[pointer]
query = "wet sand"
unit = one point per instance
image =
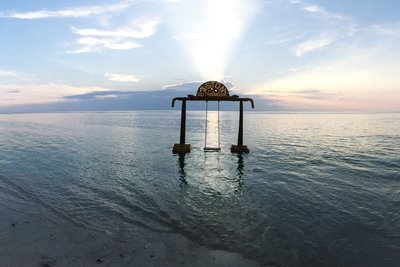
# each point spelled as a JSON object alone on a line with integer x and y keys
{"x": 31, "y": 235}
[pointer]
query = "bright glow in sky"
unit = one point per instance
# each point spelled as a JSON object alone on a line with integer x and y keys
{"x": 209, "y": 32}
{"x": 303, "y": 54}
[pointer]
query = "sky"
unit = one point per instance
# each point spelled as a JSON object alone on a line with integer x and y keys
{"x": 306, "y": 55}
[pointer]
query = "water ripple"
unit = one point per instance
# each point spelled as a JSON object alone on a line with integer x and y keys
{"x": 316, "y": 189}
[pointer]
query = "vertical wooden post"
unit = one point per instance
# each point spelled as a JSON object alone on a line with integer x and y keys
{"x": 240, "y": 148}
{"x": 240, "y": 134}
{"x": 183, "y": 123}
{"x": 182, "y": 147}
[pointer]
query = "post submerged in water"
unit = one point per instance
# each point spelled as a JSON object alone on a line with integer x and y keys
{"x": 182, "y": 147}
{"x": 240, "y": 148}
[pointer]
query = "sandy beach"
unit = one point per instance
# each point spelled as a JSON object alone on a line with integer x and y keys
{"x": 31, "y": 235}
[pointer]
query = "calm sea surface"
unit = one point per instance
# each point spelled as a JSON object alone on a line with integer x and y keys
{"x": 315, "y": 190}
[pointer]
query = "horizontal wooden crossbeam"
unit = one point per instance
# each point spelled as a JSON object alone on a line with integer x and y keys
{"x": 213, "y": 98}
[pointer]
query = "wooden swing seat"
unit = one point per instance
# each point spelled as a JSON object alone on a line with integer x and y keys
{"x": 212, "y": 149}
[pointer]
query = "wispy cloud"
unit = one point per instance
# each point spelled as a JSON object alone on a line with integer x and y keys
{"x": 318, "y": 10}
{"x": 310, "y": 99}
{"x": 8, "y": 73}
{"x": 360, "y": 78}
{"x": 313, "y": 44}
{"x": 332, "y": 26}
{"x": 92, "y": 44}
{"x": 272, "y": 42}
{"x": 34, "y": 93}
{"x": 121, "y": 38}
{"x": 13, "y": 92}
{"x": 194, "y": 85}
{"x": 392, "y": 30}
{"x": 68, "y": 12}
{"x": 317, "y": 94}
{"x": 94, "y": 39}
{"x": 108, "y": 96}
{"x": 121, "y": 77}
{"x": 140, "y": 28}
{"x": 290, "y": 71}
{"x": 313, "y": 9}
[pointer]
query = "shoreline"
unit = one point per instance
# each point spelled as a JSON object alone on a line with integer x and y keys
{"x": 30, "y": 235}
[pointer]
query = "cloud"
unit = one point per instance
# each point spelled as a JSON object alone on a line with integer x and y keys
{"x": 391, "y": 30}
{"x": 122, "y": 38}
{"x": 121, "y": 77}
{"x": 359, "y": 79}
{"x": 319, "y": 10}
{"x": 35, "y": 93}
{"x": 8, "y": 73}
{"x": 193, "y": 86}
{"x": 61, "y": 97}
{"x": 317, "y": 94}
{"x": 313, "y": 9}
{"x": 277, "y": 41}
{"x": 134, "y": 100}
{"x": 67, "y": 13}
{"x": 93, "y": 39}
{"x": 323, "y": 39}
{"x": 141, "y": 28}
{"x": 92, "y": 44}
{"x": 107, "y": 96}
{"x": 314, "y": 43}
{"x": 332, "y": 27}
{"x": 312, "y": 94}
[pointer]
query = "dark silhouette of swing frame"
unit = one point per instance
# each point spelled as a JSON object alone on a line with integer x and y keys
{"x": 211, "y": 91}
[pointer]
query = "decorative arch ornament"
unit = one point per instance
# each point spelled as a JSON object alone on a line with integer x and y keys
{"x": 212, "y": 89}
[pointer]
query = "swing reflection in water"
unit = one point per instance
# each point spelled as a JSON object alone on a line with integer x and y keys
{"x": 219, "y": 175}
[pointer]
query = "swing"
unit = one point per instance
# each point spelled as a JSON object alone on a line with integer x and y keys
{"x": 211, "y": 91}
{"x": 206, "y": 148}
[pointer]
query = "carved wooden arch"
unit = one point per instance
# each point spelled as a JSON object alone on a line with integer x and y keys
{"x": 213, "y": 89}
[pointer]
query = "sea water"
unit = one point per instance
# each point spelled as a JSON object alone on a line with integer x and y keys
{"x": 315, "y": 189}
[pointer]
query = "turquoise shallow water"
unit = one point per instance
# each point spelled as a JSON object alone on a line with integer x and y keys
{"x": 315, "y": 190}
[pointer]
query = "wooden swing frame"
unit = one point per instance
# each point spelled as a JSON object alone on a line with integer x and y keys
{"x": 211, "y": 91}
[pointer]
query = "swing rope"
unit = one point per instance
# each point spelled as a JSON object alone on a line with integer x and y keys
{"x": 205, "y": 132}
{"x": 219, "y": 136}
